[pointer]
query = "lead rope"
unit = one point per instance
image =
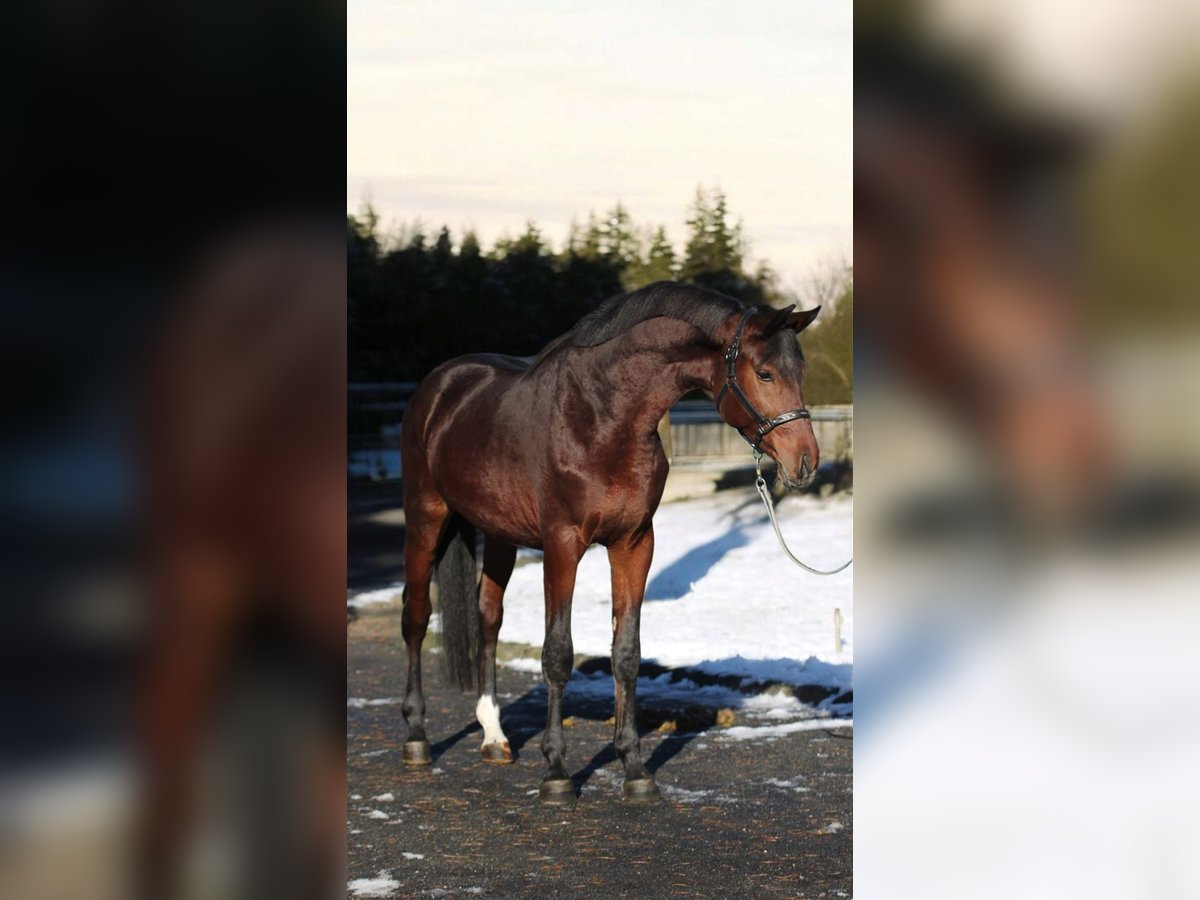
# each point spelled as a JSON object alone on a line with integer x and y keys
{"x": 765, "y": 493}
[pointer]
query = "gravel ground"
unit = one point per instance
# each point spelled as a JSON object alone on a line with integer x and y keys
{"x": 764, "y": 817}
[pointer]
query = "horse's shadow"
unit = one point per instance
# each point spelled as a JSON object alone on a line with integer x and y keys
{"x": 676, "y": 579}
{"x": 672, "y": 711}
{"x": 525, "y": 717}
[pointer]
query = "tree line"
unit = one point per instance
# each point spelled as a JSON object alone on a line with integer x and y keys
{"x": 417, "y": 299}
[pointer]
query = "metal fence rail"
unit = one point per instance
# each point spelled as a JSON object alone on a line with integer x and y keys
{"x": 699, "y": 434}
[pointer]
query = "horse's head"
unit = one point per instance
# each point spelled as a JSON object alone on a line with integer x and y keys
{"x": 758, "y": 389}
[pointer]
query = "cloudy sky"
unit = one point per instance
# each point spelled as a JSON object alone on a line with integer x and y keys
{"x": 489, "y": 114}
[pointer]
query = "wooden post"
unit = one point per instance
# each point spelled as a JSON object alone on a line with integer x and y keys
{"x": 837, "y": 630}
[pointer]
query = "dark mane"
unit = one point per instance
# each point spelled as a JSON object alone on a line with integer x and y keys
{"x": 704, "y": 309}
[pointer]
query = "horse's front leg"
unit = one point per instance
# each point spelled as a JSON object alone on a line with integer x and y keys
{"x": 558, "y": 656}
{"x": 630, "y": 563}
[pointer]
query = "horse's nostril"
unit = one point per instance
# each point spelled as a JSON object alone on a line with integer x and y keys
{"x": 805, "y": 467}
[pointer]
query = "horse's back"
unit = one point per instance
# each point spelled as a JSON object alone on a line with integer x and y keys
{"x": 463, "y": 381}
{"x": 473, "y": 366}
{"x": 498, "y": 361}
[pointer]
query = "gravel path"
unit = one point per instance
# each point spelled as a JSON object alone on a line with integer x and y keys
{"x": 739, "y": 818}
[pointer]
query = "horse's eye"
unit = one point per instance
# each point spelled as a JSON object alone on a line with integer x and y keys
{"x": 765, "y": 376}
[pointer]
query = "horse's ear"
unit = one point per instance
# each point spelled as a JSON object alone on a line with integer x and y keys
{"x": 802, "y": 319}
{"x": 777, "y": 321}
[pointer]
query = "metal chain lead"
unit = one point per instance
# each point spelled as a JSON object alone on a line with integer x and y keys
{"x": 764, "y": 492}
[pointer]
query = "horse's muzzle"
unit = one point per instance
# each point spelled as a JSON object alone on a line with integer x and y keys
{"x": 801, "y": 479}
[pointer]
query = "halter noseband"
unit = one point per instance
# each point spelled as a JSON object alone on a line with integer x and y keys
{"x": 765, "y": 425}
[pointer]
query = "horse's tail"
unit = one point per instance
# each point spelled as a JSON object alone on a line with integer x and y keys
{"x": 458, "y": 603}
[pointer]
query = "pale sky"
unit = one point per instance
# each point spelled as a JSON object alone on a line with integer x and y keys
{"x": 489, "y": 114}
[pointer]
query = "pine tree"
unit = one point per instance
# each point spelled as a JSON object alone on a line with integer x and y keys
{"x": 715, "y": 252}
{"x": 714, "y": 244}
{"x": 469, "y": 247}
{"x": 574, "y": 240}
{"x": 658, "y": 263}
{"x": 366, "y": 222}
{"x": 443, "y": 247}
{"x": 529, "y": 241}
{"x": 590, "y": 242}
{"x": 618, "y": 239}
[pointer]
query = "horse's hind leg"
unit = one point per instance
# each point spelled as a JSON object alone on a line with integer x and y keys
{"x": 630, "y": 563}
{"x": 498, "y": 561}
{"x": 425, "y": 517}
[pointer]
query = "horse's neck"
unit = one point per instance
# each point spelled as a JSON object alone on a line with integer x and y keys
{"x": 647, "y": 370}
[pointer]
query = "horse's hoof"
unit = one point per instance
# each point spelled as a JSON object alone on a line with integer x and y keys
{"x": 499, "y": 754}
{"x": 557, "y": 792}
{"x": 641, "y": 790}
{"x": 416, "y": 753}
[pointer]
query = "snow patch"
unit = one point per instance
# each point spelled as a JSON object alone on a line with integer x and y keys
{"x": 702, "y": 603}
{"x": 382, "y": 886}
{"x": 381, "y": 595}
{"x": 683, "y": 795}
{"x": 790, "y": 785}
{"x": 362, "y": 702}
{"x": 524, "y": 664}
{"x": 753, "y": 732}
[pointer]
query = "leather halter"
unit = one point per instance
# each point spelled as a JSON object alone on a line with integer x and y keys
{"x": 765, "y": 425}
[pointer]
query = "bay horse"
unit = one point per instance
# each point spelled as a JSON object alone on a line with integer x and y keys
{"x": 563, "y": 453}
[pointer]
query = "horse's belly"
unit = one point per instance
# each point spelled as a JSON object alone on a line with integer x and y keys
{"x": 499, "y": 505}
{"x": 506, "y": 528}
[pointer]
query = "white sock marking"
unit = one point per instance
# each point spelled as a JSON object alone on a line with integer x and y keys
{"x": 488, "y": 714}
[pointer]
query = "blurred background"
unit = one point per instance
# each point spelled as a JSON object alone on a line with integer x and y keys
{"x": 1026, "y": 215}
{"x": 172, "y": 333}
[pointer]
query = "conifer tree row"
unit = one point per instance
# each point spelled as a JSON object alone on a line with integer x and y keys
{"x": 417, "y": 299}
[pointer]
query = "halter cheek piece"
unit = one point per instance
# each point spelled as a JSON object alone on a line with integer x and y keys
{"x": 765, "y": 425}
